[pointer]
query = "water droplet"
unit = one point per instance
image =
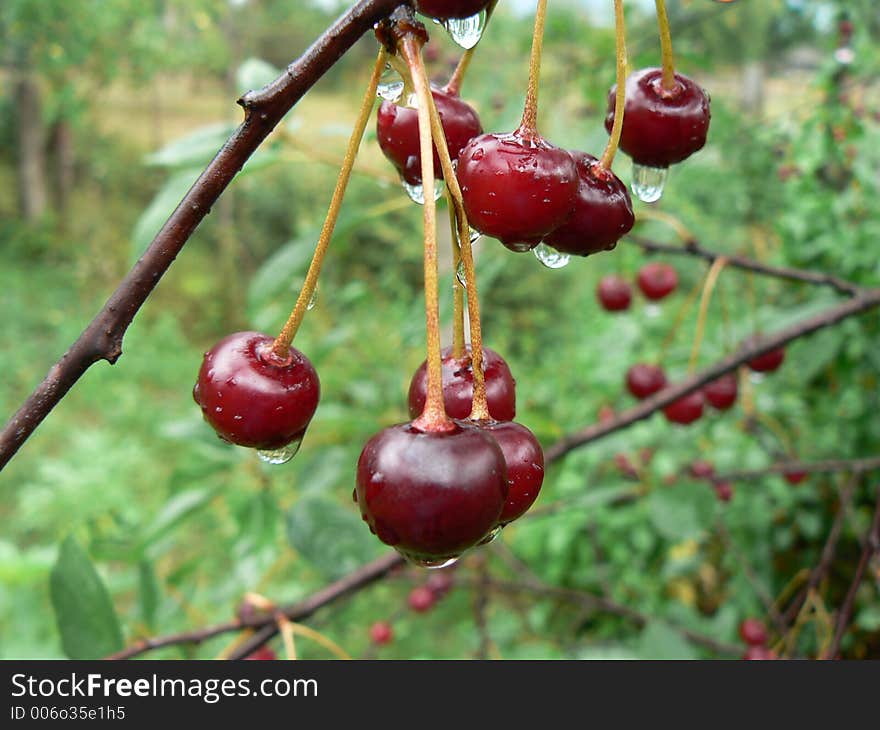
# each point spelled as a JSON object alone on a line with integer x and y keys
{"x": 460, "y": 275}
{"x": 313, "y": 300}
{"x": 417, "y": 192}
{"x": 390, "y": 85}
{"x": 282, "y": 455}
{"x": 652, "y": 310}
{"x": 475, "y": 236}
{"x": 496, "y": 531}
{"x": 756, "y": 378}
{"x": 648, "y": 182}
{"x": 550, "y": 257}
{"x": 466, "y": 32}
{"x": 428, "y": 563}
{"x": 519, "y": 246}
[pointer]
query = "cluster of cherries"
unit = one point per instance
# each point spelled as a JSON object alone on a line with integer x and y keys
{"x": 421, "y": 599}
{"x": 754, "y": 636}
{"x": 655, "y": 280}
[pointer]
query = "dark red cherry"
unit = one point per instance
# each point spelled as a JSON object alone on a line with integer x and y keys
{"x": 431, "y": 495}
{"x": 722, "y": 392}
{"x": 794, "y": 477}
{"x": 643, "y": 380}
{"x": 421, "y": 599}
{"x": 702, "y": 469}
{"x": 661, "y": 127}
{"x": 768, "y": 362}
{"x": 753, "y": 632}
{"x": 602, "y": 215}
{"x": 516, "y": 187}
{"x": 724, "y": 491}
{"x": 759, "y": 653}
{"x": 657, "y": 280}
{"x": 685, "y": 410}
{"x": 264, "y": 653}
{"x": 251, "y": 397}
{"x": 381, "y": 633}
{"x": 397, "y": 129}
{"x": 458, "y": 386}
{"x": 614, "y": 293}
{"x": 444, "y": 9}
{"x": 525, "y": 467}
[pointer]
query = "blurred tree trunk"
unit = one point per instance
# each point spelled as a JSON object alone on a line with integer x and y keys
{"x": 63, "y": 160}
{"x": 31, "y": 133}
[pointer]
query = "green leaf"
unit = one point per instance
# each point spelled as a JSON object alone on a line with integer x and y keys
{"x": 329, "y": 536}
{"x": 149, "y": 594}
{"x": 197, "y": 148}
{"x": 179, "y": 508}
{"x": 281, "y": 273}
{"x": 160, "y": 208}
{"x": 84, "y": 612}
{"x": 659, "y": 640}
{"x": 682, "y": 511}
{"x": 815, "y": 352}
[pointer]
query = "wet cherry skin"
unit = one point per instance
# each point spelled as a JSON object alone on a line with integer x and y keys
{"x": 768, "y": 362}
{"x": 516, "y": 187}
{"x": 458, "y": 386}
{"x": 381, "y": 633}
{"x": 397, "y": 129}
{"x": 643, "y": 380}
{"x": 614, "y": 293}
{"x": 602, "y": 214}
{"x": 251, "y": 398}
{"x": 524, "y": 458}
{"x": 685, "y": 410}
{"x": 444, "y": 9}
{"x": 753, "y": 632}
{"x": 431, "y": 495}
{"x": 661, "y": 127}
{"x": 721, "y": 393}
{"x": 657, "y": 280}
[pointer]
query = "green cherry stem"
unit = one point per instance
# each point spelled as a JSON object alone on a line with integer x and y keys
{"x": 620, "y": 95}
{"x": 529, "y": 122}
{"x": 281, "y": 346}
{"x": 668, "y": 81}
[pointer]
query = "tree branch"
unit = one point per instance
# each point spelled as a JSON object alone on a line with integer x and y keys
{"x": 856, "y": 466}
{"x": 102, "y": 338}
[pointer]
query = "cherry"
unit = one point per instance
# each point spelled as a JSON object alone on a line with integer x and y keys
{"x": 657, "y": 280}
{"x": 753, "y": 632}
{"x": 253, "y": 398}
{"x": 397, "y": 129}
{"x": 431, "y": 495}
{"x": 724, "y": 491}
{"x": 686, "y": 409}
{"x": 381, "y": 633}
{"x": 516, "y": 187}
{"x": 759, "y": 653}
{"x": 458, "y": 386}
{"x": 264, "y": 653}
{"x": 702, "y": 469}
{"x": 614, "y": 293}
{"x": 421, "y": 599}
{"x": 445, "y": 9}
{"x": 660, "y": 126}
{"x": 768, "y": 362}
{"x": 794, "y": 477}
{"x": 722, "y": 392}
{"x": 643, "y": 380}
{"x": 625, "y": 466}
{"x": 602, "y": 215}
{"x": 525, "y": 467}
{"x": 440, "y": 582}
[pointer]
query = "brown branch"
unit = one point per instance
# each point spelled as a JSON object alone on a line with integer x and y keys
{"x": 866, "y": 299}
{"x": 692, "y": 248}
{"x": 856, "y": 466}
{"x": 264, "y": 109}
{"x": 265, "y": 624}
{"x": 872, "y": 545}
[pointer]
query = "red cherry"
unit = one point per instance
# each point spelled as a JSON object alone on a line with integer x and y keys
{"x": 440, "y": 582}
{"x": 516, "y": 187}
{"x": 625, "y": 466}
{"x": 525, "y": 467}
{"x": 421, "y": 599}
{"x": 458, "y": 386}
{"x": 794, "y": 477}
{"x": 397, "y": 129}
{"x": 602, "y": 215}
{"x": 643, "y": 380}
{"x": 657, "y": 280}
{"x": 264, "y": 653}
{"x": 768, "y": 362}
{"x": 702, "y": 469}
{"x": 444, "y": 9}
{"x": 759, "y": 653}
{"x": 661, "y": 127}
{"x": 381, "y": 633}
{"x": 251, "y": 397}
{"x": 724, "y": 491}
{"x": 722, "y": 392}
{"x": 685, "y": 410}
{"x": 753, "y": 632}
{"x": 431, "y": 495}
{"x": 614, "y": 293}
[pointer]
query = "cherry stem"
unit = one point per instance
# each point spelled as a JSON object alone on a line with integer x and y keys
{"x": 620, "y": 96}
{"x": 668, "y": 81}
{"x": 679, "y": 318}
{"x": 281, "y": 346}
{"x": 711, "y": 279}
{"x": 458, "y": 350}
{"x": 454, "y": 85}
{"x": 681, "y": 230}
{"x": 529, "y": 124}
{"x": 433, "y": 417}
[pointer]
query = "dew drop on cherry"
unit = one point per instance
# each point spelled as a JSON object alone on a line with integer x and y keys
{"x": 427, "y": 563}
{"x": 417, "y": 192}
{"x": 467, "y": 32}
{"x": 390, "y": 85}
{"x": 492, "y": 536}
{"x": 282, "y": 455}
{"x": 648, "y": 182}
{"x": 550, "y": 257}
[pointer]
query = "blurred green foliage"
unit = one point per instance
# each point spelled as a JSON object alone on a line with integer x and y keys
{"x": 125, "y": 487}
